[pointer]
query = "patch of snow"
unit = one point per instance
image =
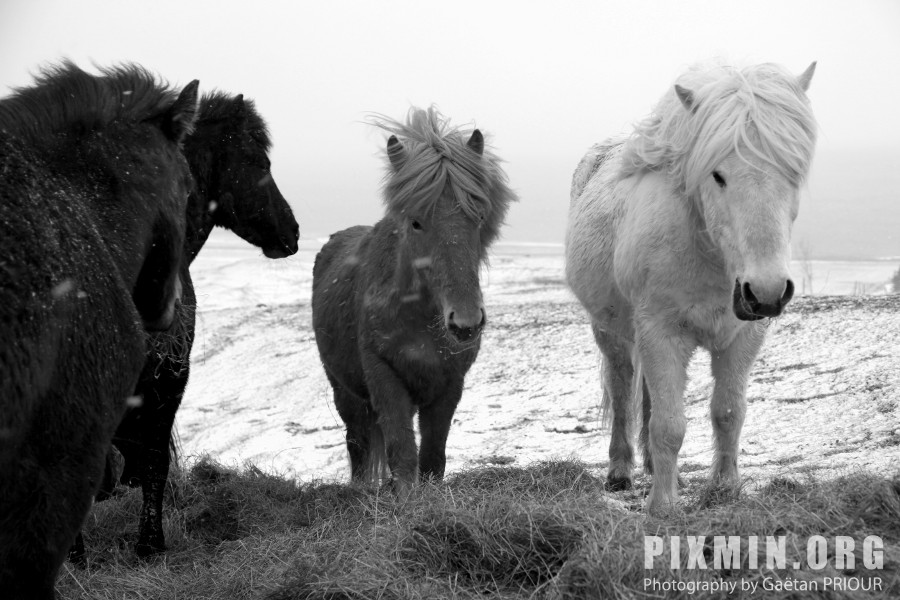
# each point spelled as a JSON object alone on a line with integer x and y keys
{"x": 822, "y": 397}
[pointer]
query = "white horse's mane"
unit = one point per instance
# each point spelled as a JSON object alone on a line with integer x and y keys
{"x": 760, "y": 107}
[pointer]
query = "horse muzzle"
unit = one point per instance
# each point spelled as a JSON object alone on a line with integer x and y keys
{"x": 748, "y": 306}
{"x": 465, "y": 328}
{"x": 282, "y": 251}
{"x": 287, "y": 245}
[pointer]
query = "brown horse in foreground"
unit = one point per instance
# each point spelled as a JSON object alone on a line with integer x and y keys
{"x": 397, "y": 308}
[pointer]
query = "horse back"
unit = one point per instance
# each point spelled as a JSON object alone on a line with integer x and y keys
{"x": 589, "y": 164}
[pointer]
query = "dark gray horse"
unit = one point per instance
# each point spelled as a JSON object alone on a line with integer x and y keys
{"x": 234, "y": 189}
{"x": 397, "y": 308}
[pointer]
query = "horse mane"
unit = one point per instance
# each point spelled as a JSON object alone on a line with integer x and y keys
{"x": 438, "y": 156}
{"x": 64, "y": 98}
{"x": 732, "y": 107}
{"x": 220, "y": 105}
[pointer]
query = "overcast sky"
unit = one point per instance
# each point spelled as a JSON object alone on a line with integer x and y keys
{"x": 544, "y": 79}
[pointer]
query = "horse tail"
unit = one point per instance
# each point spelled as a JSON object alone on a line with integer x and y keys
{"x": 640, "y": 398}
{"x": 606, "y": 409}
{"x": 375, "y": 466}
{"x": 637, "y": 383}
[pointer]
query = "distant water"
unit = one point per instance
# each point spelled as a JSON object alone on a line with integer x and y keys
{"x": 844, "y": 277}
{"x": 814, "y": 277}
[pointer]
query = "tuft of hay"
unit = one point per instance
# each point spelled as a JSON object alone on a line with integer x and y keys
{"x": 711, "y": 494}
{"x": 171, "y": 349}
{"x": 542, "y": 478}
{"x": 548, "y": 530}
{"x": 504, "y": 545}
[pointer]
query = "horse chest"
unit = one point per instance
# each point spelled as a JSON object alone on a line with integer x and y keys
{"x": 712, "y": 326}
{"x": 425, "y": 364}
{"x": 421, "y": 351}
{"x": 418, "y": 353}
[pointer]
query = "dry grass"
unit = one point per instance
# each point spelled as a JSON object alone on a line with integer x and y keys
{"x": 171, "y": 349}
{"x": 547, "y": 531}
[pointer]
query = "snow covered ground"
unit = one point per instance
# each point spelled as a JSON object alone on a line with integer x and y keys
{"x": 824, "y": 396}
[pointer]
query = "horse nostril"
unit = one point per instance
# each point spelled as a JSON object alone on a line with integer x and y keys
{"x": 788, "y": 292}
{"x": 748, "y": 295}
{"x": 464, "y": 332}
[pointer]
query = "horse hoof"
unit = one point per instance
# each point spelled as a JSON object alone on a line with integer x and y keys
{"x": 615, "y": 483}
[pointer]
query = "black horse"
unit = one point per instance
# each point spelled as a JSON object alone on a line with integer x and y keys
{"x": 93, "y": 187}
{"x": 397, "y": 308}
{"x": 234, "y": 189}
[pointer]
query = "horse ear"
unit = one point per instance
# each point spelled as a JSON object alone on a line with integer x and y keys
{"x": 238, "y": 104}
{"x": 476, "y": 142}
{"x": 686, "y": 96}
{"x": 178, "y": 122}
{"x": 806, "y": 76}
{"x": 396, "y": 152}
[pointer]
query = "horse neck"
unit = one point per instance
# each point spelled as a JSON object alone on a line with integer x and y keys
{"x": 199, "y": 224}
{"x": 206, "y": 161}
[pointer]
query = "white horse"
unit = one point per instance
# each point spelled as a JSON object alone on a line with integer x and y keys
{"x": 679, "y": 237}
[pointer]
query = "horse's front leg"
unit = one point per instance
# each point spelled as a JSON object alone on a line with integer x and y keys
{"x": 731, "y": 368}
{"x": 161, "y": 397}
{"x": 434, "y": 425}
{"x": 664, "y": 354}
{"x": 394, "y": 407}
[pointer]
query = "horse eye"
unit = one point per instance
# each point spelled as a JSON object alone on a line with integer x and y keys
{"x": 416, "y": 225}
{"x": 719, "y": 179}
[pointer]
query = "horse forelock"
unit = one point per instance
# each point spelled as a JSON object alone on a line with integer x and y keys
{"x": 220, "y": 106}
{"x": 760, "y": 108}
{"x": 438, "y": 157}
{"x": 64, "y": 97}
